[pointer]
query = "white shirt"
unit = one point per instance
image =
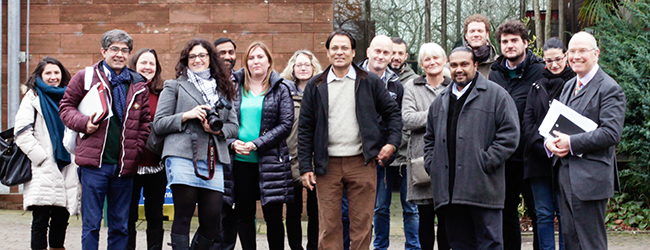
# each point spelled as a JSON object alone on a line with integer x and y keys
{"x": 352, "y": 74}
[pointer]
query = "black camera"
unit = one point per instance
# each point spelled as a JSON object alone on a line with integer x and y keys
{"x": 215, "y": 122}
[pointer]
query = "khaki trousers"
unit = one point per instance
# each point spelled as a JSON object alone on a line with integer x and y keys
{"x": 360, "y": 180}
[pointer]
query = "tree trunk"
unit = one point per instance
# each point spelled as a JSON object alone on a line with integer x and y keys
{"x": 459, "y": 31}
{"x": 560, "y": 19}
{"x": 547, "y": 24}
{"x": 427, "y": 21}
{"x": 538, "y": 25}
{"x": 443, "y": 24}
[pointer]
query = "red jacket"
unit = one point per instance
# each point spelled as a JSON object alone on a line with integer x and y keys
{"x": 135, "y": 127}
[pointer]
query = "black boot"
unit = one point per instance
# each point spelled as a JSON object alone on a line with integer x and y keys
{"x": 180, "y": 241}
{"x": 155, "y": 238}
{"x": 200, "y": 243}
{"x": 131, "y": 244}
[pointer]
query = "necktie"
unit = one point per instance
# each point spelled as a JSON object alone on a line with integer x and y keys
{"x": 577, "y": 89}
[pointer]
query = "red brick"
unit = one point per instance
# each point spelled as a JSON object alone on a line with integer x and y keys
{"x": 85, "y": 13}
{"x": 244, "y": 40}
{"x": 164, "y": 28}
{"x": 178, "y": 41}
{"x": 291, "y": 13}
{"x": 101, "y": 28}
{"x": 41, "y": 14}
{"x": 291, "y": 42}
{"x": 319, "y": 41}
{"x": 249, "y": 27}
{"x": 55, "y": 28}
{"x": 168, "y": 62}
{"x": 165, "y": 1}
{"x": 81, "y": 44}
{"x": 229, "y": 1}
{"x": 145, "y": 13}
{"x": 239, "y": 13}
{"x": 75, "y": 1}
{"x": 73, "y": 62}
{"x": 323, "y": 13}
{"x": 159, "y": 42}
{"x": 317, "y": 27}
{"x": 189, "y": 13}
{"x": 313, "y": 1}
{"x": 116, "y": 1}
{"x": 280, "y": 60}
{"x": 322, "y": 57}
{"x": 48, "y": 44}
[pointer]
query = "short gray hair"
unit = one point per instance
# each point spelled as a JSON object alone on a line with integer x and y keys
{"x": 116, "y": 35}
{"x": 430, "y": 50}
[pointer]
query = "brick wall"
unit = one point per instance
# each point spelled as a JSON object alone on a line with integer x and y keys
{"x": 70, "y": 30}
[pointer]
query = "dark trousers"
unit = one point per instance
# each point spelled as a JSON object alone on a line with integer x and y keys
{"x": 471, "y": 227}
{"x": 312, "y": 221}
{"x": 247, "y": 192}
{"x": 515, "y": 185}
{"x": 228, "y": 228}
{"x": 583, "y": 222}
{"x": 186, "y": 199}
{"x": 153, "y": 187}
{"x": 293, "y": 215}
{"x": 427, "y": 231}
{"x": 52, "y": 217}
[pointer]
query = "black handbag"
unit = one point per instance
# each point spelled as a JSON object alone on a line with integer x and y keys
{"x": 15, "y": 167}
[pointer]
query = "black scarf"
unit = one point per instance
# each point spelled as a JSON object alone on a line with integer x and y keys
{"x": 482, "y": 53}
{"x": 555, "y": 82}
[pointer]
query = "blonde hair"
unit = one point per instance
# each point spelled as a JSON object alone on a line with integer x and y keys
{"x": 288, "y": 72}
{"x": 247, "y": 73}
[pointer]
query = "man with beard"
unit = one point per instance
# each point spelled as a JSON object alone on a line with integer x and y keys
{"x": 379, "y": 54}
{"x": 516, "y": 70}
{"x": 398, "y": 63}
{"x": 477, "y": 37}
{"x": 472, "y": 128}
{"x": 226, "y": 49}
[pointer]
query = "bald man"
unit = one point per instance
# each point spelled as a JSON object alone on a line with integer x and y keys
{"x": 380, "y": 53}
{"x": 588, "y": 175}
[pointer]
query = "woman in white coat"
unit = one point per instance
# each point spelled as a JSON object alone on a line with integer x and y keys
{"x": 53, "y": 194}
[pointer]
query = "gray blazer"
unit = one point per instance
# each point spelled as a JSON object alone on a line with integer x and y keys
{"x": 592, "y": 166}
{"x": 177, "y": 97}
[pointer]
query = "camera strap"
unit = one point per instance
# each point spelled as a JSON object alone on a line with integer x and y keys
{"x": 211, "y": 160}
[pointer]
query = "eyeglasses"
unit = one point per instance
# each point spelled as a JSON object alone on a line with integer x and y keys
{"x": 556, "y": 60}
{"x": 116, "y": 49}
{"x": 305, "y": 65}
{"x": 578, "y": 52}
{"x": 200, "y": 56}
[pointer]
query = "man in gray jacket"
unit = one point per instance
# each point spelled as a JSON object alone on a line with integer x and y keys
{"x": 472, "y": 128}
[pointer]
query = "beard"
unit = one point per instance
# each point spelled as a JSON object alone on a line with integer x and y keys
{"x": 467, "y": 80}
{"x": 515, "y": 58}
{"x": 232, "y": 62}
{"x": 396, "y": 69}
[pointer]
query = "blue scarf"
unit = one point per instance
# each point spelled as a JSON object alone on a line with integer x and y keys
{"x": 49, "y": 97}
{"x": 119, "y": 90}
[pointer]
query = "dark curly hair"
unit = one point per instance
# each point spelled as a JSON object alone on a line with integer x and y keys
{"x": 218, "y": 70}
{"x": 512, "y": 27}
{"x": 38, "y": 71}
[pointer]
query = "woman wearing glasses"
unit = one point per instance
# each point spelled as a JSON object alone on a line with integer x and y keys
{"x": 301, "y": 67}
{"x": 262, "y": 169}
{"x": 195, "y": 148}
{"x": 538, "y": 168}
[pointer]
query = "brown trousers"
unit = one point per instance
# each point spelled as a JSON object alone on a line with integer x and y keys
{"x": 360, "y": 180}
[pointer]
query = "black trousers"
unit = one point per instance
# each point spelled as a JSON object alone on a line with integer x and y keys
{"x": 247, "y": 192}
{"x": 427, "y": 231}
{"x": 153, "y": 187}
{"x": 471, "y": 227}
{"x": 312, "y": 221}
{"x": 293, "y": 216}
{"x": 209, "y": 204}
{"x": 228, "y": 228}
{"x": 515, "y": 185}
{"x": 52, "y": 217}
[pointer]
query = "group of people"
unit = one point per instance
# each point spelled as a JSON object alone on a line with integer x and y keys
{"x": 461, "y": 142}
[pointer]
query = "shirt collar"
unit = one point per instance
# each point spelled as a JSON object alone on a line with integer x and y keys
{"x": 511, "y": 68}
{"x": 585, "y": 80}
{"x": 352, "y": 74}
{"x": 458, "y": 94}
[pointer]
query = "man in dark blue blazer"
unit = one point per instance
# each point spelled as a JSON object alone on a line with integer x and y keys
{"x": 588, "y": 174}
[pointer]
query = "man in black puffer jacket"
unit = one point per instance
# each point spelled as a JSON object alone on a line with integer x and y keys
{"x": 516, "y": 70}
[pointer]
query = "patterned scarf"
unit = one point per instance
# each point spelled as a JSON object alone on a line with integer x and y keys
{"x": 119, "y": 90}
{"x": 204, "y": 82}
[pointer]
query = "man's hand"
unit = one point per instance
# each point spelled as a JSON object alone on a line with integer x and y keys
{"x": 90, "y": 127}
{"x": 556, "y": 145}
{"x": 309, "y": 180}
{"x": 385, "y": 153}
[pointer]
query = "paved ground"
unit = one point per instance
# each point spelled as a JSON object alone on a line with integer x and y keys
{"x": 15, "y": 234}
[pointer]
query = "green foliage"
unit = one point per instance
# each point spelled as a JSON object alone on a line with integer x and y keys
{"x": 623, "y": 40}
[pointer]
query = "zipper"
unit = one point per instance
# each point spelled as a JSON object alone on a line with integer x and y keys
{"x": 110, "y": 97}
{"x": 126, "y": 116}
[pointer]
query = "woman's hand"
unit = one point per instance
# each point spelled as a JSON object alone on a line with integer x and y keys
{"x": 206, "y": 128}
{"x": 243, "y": 148}
{"x": 198, "y": 112}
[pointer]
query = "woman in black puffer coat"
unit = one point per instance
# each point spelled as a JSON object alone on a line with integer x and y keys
{"x": 538, "y": 167}
{"x": 262, "y": 169}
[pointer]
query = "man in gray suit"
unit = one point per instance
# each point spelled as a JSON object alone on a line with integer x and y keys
{"x": 588, "y": 174}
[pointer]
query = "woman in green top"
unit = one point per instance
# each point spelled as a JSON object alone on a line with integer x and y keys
{"x": 262, "y": 169}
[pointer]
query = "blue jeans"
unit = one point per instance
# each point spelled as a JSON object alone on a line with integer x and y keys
{"x": 411, "y": 218}
{"x": 546, "y": 207}
{"x": 98, "y": 184}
